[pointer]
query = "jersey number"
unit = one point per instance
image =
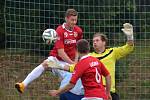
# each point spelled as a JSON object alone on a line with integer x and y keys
{"x": 97, "y": 76}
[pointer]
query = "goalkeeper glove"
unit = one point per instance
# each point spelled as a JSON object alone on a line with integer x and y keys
{"x": 71, "y": 68}
{"x": 128, "y": 30}
{"x": 55, "y": 64}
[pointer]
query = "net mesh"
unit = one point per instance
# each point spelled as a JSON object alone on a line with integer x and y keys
{"x": 25, "y": 21}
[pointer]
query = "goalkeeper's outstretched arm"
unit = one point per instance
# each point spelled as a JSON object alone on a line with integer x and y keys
{"x": 128, "y": 31}
{"x": 56, "y": 65}
{"x": 69, "y": 68}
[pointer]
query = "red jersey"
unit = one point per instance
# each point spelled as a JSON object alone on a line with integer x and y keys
{"x": 90, "y": 70}
{"x": 67, "y": 41}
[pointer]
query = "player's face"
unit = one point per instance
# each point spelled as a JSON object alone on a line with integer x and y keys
{"x": 98, "y": 43}
{"x": 71, "y": 21}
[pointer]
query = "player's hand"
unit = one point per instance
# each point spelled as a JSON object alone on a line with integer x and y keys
{"x": 53, "y": 93}
{"x": 127, "y": 29}
{"x": 51, "y": 64}
{"x": 108, "y": 96}
{"x": 55, "y": 64}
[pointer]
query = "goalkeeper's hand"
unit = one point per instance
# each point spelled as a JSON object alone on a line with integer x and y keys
{"x": 55, "y": 64}
{"x": 128, "y": 30}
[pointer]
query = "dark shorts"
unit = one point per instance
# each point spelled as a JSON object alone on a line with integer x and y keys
{"x": 114, "y": 96}
{"x": 70, "y": 96}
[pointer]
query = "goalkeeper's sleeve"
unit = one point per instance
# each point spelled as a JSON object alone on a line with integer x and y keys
{"x": 71, "y": 68}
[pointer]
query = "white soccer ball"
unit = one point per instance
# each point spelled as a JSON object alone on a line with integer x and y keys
{"x": 49, "y": 35}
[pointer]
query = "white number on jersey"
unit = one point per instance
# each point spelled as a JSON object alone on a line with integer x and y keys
{"x": 97, "y": 76}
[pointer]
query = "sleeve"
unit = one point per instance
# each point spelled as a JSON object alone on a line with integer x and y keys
{"x": 122, "y": 51}
{"x": 79, "y": 69}
{"x": 60, "y": 40}
{"x": 71, "y": 67}
{"x": 104, "y": 71}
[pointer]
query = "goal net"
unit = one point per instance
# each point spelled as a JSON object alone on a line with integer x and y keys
{"x": 25, "y": 21}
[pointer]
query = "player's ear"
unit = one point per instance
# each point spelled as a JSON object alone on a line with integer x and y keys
{"x": 104, "y": 42}
{"x": 66, "y": 19}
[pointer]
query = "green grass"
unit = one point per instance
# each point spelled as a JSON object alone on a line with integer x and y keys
{"x": 16, "y": 68}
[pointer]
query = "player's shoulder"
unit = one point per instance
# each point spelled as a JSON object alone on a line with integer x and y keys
{"x": 109, "y": 49}
{"x": 88, "y": 59}
{"x": 94, "y": 54}
{"x": 85, "y": 59}
{"x": 60, "y": 30}
{"x": 78, "y": 29}
{"x": 115, "y": 48}
{"x": 92, "y": 60}
{"x": 59, "y": 27}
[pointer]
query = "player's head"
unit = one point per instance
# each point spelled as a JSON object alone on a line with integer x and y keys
{"x": 99, "y": 41}
{"x": 83, "y": 46}
{"x": 71, "y": 16}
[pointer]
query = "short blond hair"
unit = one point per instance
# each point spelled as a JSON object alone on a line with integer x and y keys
{"x": 71, "y": 12}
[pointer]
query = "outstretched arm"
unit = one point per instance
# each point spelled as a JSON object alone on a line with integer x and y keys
{"x": 56, "y": 65}
{"x": 128, "y": 48}
{"x": 66, "y": 88}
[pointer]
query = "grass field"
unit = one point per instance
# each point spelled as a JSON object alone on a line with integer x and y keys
{"x": 14, "y": 68}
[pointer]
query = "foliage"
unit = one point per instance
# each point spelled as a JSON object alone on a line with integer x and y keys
{"x": 104, "y": 16}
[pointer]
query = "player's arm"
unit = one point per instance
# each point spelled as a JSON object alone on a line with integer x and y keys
{"x": 55, "y": 64}
{"x": 64, "y": 89}
{"x": 122, "y": 51}
{"x": 80, "y": 36}
{"x": 75, "y": 76}
{"x": 107, "y": 76}
{"x": 70, "y": 68}
{"x": 126, "y": 49}
{"x": 76, "y": 57}
{"x": 108, "y": 85}
{"x": 128, "y": 31}
{"x": 64, "y": 56}
{"x": 60, "y": 47}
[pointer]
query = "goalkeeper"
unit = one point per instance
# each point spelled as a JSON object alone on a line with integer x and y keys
{"x": 109, "y": 56}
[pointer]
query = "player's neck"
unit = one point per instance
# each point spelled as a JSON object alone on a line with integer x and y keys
{"x": 68, "y": 27}
{"x": 100, "y": 50}
{"x": 83, "y": 54}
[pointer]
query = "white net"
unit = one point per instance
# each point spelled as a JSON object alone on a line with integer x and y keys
{"x": 25, "y": 21}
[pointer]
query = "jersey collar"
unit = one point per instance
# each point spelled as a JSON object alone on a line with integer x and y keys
{"x": 83, "y": 57}
{"x": 100, "y": 52}
{"x": 63, "y": 26}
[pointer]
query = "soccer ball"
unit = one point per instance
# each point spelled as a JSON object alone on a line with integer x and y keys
{"x": 49, "y": 35}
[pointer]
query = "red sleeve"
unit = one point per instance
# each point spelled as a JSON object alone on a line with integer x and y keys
{"x": 79, "y": 69}
{"x": 60, "y": 41}
{"x": 104, "y": 71}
